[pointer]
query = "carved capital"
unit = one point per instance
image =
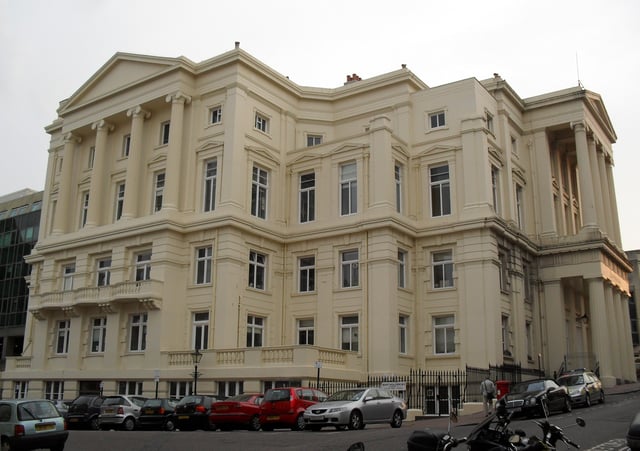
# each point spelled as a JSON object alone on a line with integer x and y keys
{"x": 138, "y": 111}
{"x": 578, "y": 126}
{"x": 178, "y": 97}
{"x": 71, "y": 138}
{"x": 102, "y": 125}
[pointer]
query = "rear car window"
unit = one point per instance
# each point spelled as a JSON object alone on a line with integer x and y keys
{"x": 37, "y": 410}
{"x": 277, "y": 395}
{"x": 114, "y": 401}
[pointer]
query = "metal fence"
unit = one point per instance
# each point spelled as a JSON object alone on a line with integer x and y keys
{"x": 435, "y": 392}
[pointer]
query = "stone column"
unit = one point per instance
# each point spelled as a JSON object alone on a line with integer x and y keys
{"x": 613, "y": 321}
{"x": 614, "y": 205}
{"x": 554, "y": 341}
{"x": 62, "y": 213}
{"x": 135, "y": 167}
{"x": 597, "y": 184}
{"x": 587, "y": 196}
{"x": 600, "y": 330}
{"x": 174, "y": 152}
{"x": 542, "y": 172}
{"x": 604, "y": 182}
{"x": 381, "y": 164}
{"x": 626, "y": 341}
{"x": 96, "y": 193}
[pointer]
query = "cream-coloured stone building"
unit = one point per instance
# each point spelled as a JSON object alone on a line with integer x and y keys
{"x": 377, "y": 227}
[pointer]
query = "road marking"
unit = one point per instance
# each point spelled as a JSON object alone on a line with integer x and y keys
{"x": 617, "y": 444}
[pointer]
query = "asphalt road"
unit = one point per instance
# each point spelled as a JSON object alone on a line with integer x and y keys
{"x": 606, "y": 428}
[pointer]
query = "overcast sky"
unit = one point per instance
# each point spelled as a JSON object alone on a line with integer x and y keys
{"x": 48, "y": 49}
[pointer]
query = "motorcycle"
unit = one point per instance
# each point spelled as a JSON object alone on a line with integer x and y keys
{"x": 491, "y": 434}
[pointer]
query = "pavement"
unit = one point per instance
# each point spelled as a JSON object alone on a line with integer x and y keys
{"x": 441, "y": 422}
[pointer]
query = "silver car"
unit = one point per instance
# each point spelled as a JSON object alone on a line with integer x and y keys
{"x": 355, "y": 408}
{"x": 120, "y": 411}
{"x": 28, "y": 424}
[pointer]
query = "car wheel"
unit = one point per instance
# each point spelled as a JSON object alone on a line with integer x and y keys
{"x": 266, "y": 428}
{"x": 128, "y": 424}
{"x": 254, "y": 423}
{"x": 5, "y": 446}
{"x": 396, "y": 420}
{"x": 299, "y": 425}
{"x": 567, "y": 405}
{"x": 341, "y": 427}
{"x": 601, "y": 400}
{"x": 94, "y": 424}
{"x": 355, "y": 420}
{"x": 169, "y": 425}
{"x": 587, "y": 400}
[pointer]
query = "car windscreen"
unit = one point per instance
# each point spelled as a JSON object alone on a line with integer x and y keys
{"x": 346, "y": 395}
{"x": 571, "y": 380}
{"x": 114, "y": 401}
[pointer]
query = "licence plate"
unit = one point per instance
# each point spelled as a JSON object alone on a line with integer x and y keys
{"x": 273, "y": 417}
{"x": 183, "y": 417}
{"x": 45, "y": 427}
{"x": 74, "y": 420}
{"x": 109, "y": 410}
{"x": 222, "y": 408}
{"x": 148, "y": 411}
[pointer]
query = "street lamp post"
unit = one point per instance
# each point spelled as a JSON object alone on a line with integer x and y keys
{"x": 196, "y": 356}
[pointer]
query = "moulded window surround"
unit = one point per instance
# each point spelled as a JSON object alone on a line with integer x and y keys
{"x": 130, "y": 388}
{"x": 529, "y": 338}
{"x": 164, "y": 133}
{"x": 505, "y": 336}
{"x": 98, "y": 334}
{"x": 398, "y": 181}
{"x": 348, "y": 189}
{"x": 62, "y": 337}
{"x": 403, "y": 325}
{"x": 126, "y": 145}
{"x": 437, "y": 119}
{"x": 444, "y": 335}
{"x": 519, "y": 206}
{"x": 138, "y": 332}
{"x": 20, "y": 389}
{"x": 439, "y": 182}
{"x": 227, "y": 389}
{"x": 68, "y": 271}
{"x": 158, "y": 191}
{"x": 120, "y": 187}
{"x": 259, "y": 191}
{"x": 85, "y": 208}
{"x": 307, "y": 274}
{"x": 92, "y": 157}
{"x": 180, "y": 389}
{"x": 442, "y": 267}
{"x": 349, "y": 333}
{"x": 54, "y": 390}
{"x": 204, "y": 260}
{"x": 402, "y": 268}
{"x": 503, "y": 257}
{"x": 200, "y": 330}
{"x": 210, "y": 182}
{"x": 306, "y": 331}
{"x": 255, "y": 331}
{"x": 314, "y": 140}
{"x": 307, "y": 197}
{"x": 103, "y": 270}
{"x": 143, "y": 266}
{"x": 261, "y": 123}
{"x": 495, "y": 188}
{"x": 489, "y": 122}
{"x": 349, "y": 268}
{"x": 215, "y": 115}
{"x": 257, "y": 270}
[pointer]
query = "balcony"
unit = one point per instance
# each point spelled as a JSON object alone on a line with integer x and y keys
{"x": 147, "y": 292}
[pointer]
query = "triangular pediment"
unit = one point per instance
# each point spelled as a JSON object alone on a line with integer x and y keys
{"x": 121, "y": 72}
{"x": 348, "y": 147}
{"x": 596, "y": 105}
{"x": 436, "y": 149}
{"x": 264, "y": 153}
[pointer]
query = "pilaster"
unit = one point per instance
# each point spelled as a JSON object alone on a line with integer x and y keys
{"x": 96, "y": 192}
{"x": 174, "y": 152}
{"x": 62, "y": 213}
{"x": 587, "y": 196}
{"x": 135, "y": 168}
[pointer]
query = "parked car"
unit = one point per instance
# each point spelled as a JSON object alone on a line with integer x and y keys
{"x": 284, "y": 407}
{"x": 241, "y": 411}
{"x": 84, "y": 411}
{"x": 192, "y": 412}
{"x": 29, "y": 424}
{"x": 62, "y": 406}
{"x": 158, "y": 414}
{"x": 120, "y": 411}
{"x": 537, "y": 397}
{"x": 355, "y": 408}
{"x": 584, "y": 387}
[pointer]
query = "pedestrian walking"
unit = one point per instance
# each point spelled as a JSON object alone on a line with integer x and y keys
{"x": 488, "y": 390}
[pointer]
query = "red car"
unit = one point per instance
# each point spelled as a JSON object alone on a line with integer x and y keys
{"x": 242, "y": 411}
{"x": 284, "y": 407}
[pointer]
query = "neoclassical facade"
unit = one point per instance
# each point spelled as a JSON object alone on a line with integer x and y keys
{"x": 368, "y": 229}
